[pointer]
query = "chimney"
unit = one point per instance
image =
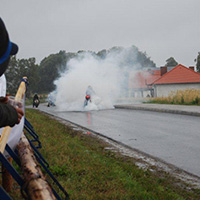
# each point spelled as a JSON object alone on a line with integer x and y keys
{"x": 163, "y": 70}
{"x": 192, "y": 68}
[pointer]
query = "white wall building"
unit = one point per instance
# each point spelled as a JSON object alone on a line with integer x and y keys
{"x": 179, "y": 78}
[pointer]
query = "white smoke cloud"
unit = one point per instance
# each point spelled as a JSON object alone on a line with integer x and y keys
{"x": 106, "y": 76}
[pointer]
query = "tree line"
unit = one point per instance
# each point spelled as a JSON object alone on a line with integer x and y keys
{"x": 42, "y": 76}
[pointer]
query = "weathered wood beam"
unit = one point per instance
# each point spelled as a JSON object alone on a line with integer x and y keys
{"x": 36, "y": 185}
{"x": 7, "y": 180}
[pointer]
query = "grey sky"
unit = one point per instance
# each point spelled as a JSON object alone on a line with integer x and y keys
{"x": 162, "y": 28}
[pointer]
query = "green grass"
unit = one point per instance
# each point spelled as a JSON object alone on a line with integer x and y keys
{"x": 88, "y": 171}
{"x": 171, "y": 102}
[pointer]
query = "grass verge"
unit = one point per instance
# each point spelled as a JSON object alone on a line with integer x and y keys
{"x": 87, "y": 170}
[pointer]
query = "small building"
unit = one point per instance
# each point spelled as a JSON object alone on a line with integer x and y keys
{"x": 178, "y": 78}
{"x": 140, "y": 82}
{"x": 161, "y": 82}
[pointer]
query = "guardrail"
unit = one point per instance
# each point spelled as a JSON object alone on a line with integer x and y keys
{"x": 31, "y": 143}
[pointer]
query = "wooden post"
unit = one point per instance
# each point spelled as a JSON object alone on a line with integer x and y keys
{"x": 36, "y": 185}
{"x": 7, "y": 180}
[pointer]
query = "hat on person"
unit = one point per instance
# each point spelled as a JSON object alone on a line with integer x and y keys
{"x": 7, "y": 48}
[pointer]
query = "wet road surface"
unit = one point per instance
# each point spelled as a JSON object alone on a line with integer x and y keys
{"x": 172, "y": 138}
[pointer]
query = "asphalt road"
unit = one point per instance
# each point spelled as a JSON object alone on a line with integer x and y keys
{"x": 172, "y": 138}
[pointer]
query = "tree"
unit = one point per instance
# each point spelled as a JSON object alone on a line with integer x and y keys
{"x": 17, "y": 69}
{"x": 12, "y": 76}
{"x": 144, "y": 60}
{"x": 171, "y": 62}
{"x": 50, "y": 69}
{"x": 131, "y": 57}
{"x": 197, "y": 60}
{"x": 102, "y": 54}
{"x": 42, "y": 77}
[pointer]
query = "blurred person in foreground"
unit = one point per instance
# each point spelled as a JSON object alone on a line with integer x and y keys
{"x": 9, "y": 116}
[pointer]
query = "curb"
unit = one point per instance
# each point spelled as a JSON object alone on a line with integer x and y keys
{"x": 182, "y": 112}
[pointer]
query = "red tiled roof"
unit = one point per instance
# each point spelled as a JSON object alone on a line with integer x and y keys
{"x": 180, "y": 74}
{"x": 140, "y": 79}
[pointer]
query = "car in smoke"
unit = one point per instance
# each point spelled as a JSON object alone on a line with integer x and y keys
{"x": 50, "y": 103}
{"x": 51, "y": 99}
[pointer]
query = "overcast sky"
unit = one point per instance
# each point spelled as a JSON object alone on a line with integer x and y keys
{"x": 161, "y": 28}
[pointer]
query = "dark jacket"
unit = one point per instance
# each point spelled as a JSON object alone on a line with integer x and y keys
{"x": 35, "y": 97}
{"x": 8, "y": 115}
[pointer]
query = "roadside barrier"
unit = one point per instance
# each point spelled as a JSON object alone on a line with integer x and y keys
{"x": 28, "y": 158}
{"x": 44, "y": 164}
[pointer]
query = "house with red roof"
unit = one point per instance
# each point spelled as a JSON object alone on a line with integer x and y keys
{"x": 179, "y": 78}
{"x": 160, "y": 83}
{"x": 140, "y": 82}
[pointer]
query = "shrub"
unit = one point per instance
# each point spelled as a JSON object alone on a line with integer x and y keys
{"x": 188, "y": 96}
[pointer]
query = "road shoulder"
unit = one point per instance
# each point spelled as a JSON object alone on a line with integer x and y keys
{"x": 175, "y": 109}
